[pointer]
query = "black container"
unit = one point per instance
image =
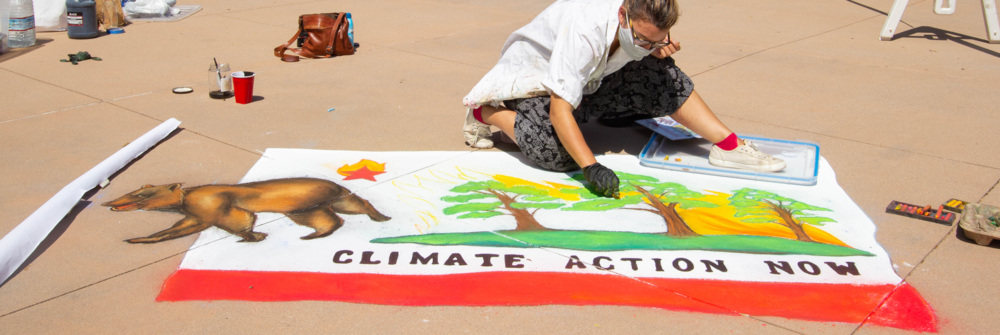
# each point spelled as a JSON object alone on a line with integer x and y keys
{"x": 81, "y": 16}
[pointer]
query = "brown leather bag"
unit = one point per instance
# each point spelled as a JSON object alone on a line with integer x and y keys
{"x": 321, "y": 36}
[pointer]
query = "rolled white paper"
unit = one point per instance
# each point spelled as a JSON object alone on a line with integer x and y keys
{"x": 18, "y": 245}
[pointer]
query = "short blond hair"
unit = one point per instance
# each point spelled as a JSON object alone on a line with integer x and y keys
{"x": 661, "y": 13}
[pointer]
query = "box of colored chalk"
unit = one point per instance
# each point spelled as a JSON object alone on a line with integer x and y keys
{"x": 927, "y": 213}
{"x": 955, "y": 205}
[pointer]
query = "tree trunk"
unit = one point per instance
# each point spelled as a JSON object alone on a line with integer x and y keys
{"x": 788, "y": 221}
{"x": 676, "y": 227}
{"x": 523, "y": 218}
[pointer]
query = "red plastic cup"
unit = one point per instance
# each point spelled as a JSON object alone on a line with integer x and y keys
{"x": 243, "y": 86}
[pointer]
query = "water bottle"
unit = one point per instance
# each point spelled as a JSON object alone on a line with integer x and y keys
{"x": 21, "y": 29}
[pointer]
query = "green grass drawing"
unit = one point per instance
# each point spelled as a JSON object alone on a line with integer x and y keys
{"x": 618, "y": 241}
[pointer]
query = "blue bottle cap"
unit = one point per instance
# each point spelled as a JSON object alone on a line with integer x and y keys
{"x": 116, "y": 30}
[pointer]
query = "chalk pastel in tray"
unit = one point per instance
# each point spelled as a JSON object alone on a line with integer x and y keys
{"x": 927, "y": 213}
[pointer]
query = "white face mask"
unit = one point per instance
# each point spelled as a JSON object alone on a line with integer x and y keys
{"x": 626, "y": 43}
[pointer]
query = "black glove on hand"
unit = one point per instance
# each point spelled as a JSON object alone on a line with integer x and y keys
{"x": 604, "y": 180}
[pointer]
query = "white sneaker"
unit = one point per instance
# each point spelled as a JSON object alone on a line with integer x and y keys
{"x": 477, "y": 134}
{"x": 746, "y": 156}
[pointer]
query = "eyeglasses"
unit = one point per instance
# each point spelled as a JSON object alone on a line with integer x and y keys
{"x": 641, "y": 42}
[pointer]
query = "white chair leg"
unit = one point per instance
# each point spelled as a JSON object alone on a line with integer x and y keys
{"x": 992, "y": 26}
{"x": 940, "y": 9}
{"x": 895, "y": 15}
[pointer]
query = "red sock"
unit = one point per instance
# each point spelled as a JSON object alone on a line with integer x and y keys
{"x": 478, "y": 114}
{"x": 730, "y": 143}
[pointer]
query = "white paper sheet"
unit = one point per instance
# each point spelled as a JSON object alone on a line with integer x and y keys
{"x": 18, "y": 245}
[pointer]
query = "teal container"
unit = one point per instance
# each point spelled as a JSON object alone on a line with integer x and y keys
{"x": 81, "y": 17}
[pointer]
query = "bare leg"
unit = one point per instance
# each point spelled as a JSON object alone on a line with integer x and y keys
{"x": 502, "y": 118}
{"x": 695, "y": 115}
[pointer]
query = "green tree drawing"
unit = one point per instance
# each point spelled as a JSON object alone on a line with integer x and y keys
{"x": 761, "y": 207}
{"x": 486, "y": 199}
{"x": 648, "y": 194}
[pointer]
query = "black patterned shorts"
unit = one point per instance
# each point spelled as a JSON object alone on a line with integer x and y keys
{"x": 648, "y": 88}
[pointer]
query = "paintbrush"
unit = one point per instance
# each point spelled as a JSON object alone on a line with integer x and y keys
{"x": 218, "y": 72}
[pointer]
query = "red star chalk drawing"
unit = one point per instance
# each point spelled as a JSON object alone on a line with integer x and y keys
{"x": 363, "y": 169}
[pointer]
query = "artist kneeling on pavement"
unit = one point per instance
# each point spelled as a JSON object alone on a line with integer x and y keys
{"x": 581, "y": 60}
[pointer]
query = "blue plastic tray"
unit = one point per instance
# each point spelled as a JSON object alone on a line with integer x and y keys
{"x": 692, "y": 156}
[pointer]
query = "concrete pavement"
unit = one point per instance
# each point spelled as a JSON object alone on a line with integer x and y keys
{"x": 913, "y": 119}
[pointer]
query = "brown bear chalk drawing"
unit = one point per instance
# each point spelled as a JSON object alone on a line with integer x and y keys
{"x": 309, "y": 202}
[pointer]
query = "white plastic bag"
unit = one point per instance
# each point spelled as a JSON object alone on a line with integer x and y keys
{"x": 50, "y": 15}
{"x": 150, "y": 8}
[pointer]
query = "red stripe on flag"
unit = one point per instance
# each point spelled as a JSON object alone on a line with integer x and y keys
{"x": 820, "y": 302}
